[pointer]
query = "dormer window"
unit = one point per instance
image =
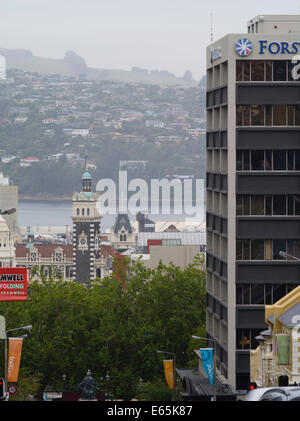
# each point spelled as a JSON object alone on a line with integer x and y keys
{"x": 33, "y": 256}
{"x": 59, "y": 256}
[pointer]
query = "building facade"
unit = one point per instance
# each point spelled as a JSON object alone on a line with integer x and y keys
{"x": 278, "y": 353}
{"x": 253, "y": 183}
{"x": 7, "y": 249}
{"x": 86, "y": 233}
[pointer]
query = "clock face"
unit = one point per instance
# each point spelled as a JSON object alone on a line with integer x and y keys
{"x": 82, "y": 241}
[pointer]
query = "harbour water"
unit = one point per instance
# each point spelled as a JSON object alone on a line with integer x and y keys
{"x": 59, "y": 213}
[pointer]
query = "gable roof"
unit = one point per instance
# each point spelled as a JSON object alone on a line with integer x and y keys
{"x": 122, "y": 220}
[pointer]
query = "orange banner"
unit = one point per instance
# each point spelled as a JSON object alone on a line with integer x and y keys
{"x": 14, "y": 359}
{"x": 169, "y": 373}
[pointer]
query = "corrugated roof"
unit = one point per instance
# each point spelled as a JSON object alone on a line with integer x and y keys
{"x": 187, "y": 238}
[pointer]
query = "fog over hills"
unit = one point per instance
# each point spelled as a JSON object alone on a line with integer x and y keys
{"x": 74, "y": 65}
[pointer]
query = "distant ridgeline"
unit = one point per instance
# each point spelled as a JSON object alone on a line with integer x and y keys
{"x": 74, "y": 65}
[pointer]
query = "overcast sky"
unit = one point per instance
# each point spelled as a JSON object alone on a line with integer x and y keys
{"x": 118, "y": 34}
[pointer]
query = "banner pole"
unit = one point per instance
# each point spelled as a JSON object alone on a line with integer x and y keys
{"x": 5, "y": 364}
{"x": 215, "y": 376}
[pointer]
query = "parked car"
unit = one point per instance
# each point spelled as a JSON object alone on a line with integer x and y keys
{"x": 290, "y": 393}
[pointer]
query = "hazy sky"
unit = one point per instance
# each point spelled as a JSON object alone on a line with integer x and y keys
{"x": 118, "y": 34}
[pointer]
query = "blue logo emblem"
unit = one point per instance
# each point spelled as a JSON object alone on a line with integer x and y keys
{"x": 244, "y": 47}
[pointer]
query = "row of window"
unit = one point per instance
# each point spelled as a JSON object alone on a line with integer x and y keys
{"x": 266, "y": 71}
{"x": 268, "y": 115}
{"x": 83, "y": 212}
{"x": 265, "y": 294}
{"x": 267, "y": 249}
{"x": 58, "y": 257}
{"x": 268, "y": 160}
{"x": 268, "y": 205}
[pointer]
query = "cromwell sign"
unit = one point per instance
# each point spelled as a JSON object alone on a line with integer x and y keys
{"x": 13, "y": 284}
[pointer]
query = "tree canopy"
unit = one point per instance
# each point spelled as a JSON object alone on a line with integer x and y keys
{"x": 109, "y": 328}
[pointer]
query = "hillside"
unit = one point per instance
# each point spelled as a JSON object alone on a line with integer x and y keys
{"x": 74, "y": 65}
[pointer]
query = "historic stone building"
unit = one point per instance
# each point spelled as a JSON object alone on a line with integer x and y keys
{"x": 86, "y": 232}
{"x": 87, "y": 258}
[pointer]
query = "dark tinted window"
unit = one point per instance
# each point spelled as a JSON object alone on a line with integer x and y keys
{"x": 239, "y": 294}
{"x": 278, "y": 245}
{"x": 279, "y": 160}
{"x": 279, "y": 115}
{"x": 257, "y": 249}
{"x": 257, "y": 115}
{"x": 279, "y": 70}
{"x": 279, "y": 291}
{"x": 257, "y": 294}
{"x": 297, "y": 160}
{"x": 279, "y": 205}
{"x": 257, "y": 160}
{"x": 268, "y": 294}
{"x": 246, "y": 70}
{"x": 257, "y": 70}
{"x": 239, "y": 70}
{"x": 268, "y": 70}
{"x": 257, "y": 205}
{"x": 239, "y": 115}
{"x": 297, "y": 115}
{"x": 239, "y": 160}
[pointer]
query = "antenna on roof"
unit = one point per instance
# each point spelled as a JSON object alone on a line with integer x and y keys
{"x": 211, "y": 27}
{"x": 86, "y": 157}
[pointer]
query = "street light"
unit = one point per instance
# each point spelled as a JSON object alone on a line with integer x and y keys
{"x": 28, "y": 328}
{"x": 107, "y": 380}
{"x": 174, "y": 372}
{"x": 214, "y": 364}
{"x": 286, "y": 255}
{"x": 8, "y": 211}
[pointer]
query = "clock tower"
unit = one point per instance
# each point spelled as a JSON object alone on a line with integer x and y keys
{"x": 86, "y": 231}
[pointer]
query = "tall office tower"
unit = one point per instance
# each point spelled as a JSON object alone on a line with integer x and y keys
{"x": 2, "y": 68}
{"x": 86, "y": 233}
{"x": 253, "y": 183}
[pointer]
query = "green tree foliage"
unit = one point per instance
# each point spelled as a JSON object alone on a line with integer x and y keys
{"x": 109, "y": 328}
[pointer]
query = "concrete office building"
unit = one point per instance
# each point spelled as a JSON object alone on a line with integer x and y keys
{"x": 9, "y": 200}
{"x": 253, "y": 183}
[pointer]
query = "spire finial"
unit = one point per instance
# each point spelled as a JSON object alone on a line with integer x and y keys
{"x": 86, "y": 158}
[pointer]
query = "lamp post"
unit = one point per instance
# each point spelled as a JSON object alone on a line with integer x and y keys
{"x": 8, "y": 211}
{"x": 28, "y": 328}
{"x": 174, "y": 365}
{"x": 106, "y": 382}
{"x": 214, "y": 364}
{"x": 286, "y": 255}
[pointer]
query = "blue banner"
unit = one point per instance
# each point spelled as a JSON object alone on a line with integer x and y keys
{"x": 208, "y": 364}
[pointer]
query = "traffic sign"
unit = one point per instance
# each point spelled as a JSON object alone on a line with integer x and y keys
{"x": 12, "y": 389}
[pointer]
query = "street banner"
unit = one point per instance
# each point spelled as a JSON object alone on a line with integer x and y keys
{"x": 14, "y": 359}
{"x": 283, "y": 348}
{"x": 169, "y": 373}
{"x": 13, "y": 284}
{"x": 207, "y": 362}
